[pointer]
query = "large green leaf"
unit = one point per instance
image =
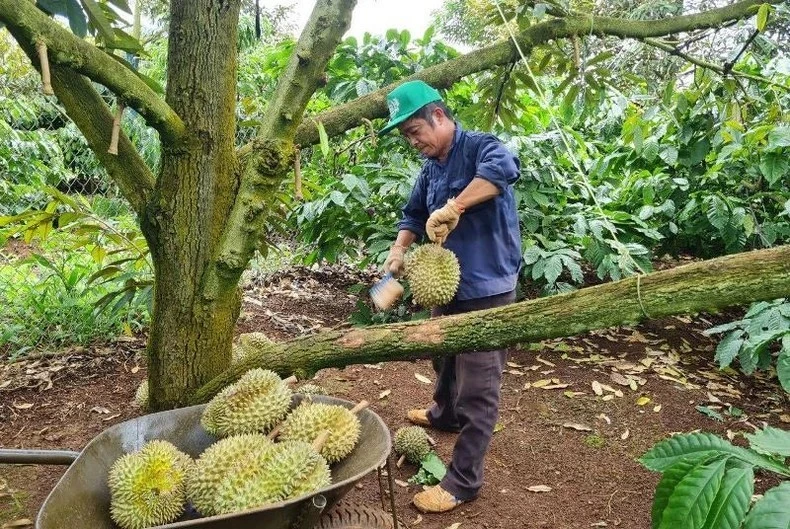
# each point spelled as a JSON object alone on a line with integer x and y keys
{"x": 783, "y": 364}
{"x": 702, "y": 445}
{"x": 772, "y": 511}
{"x": 693, "y": 497}
{"x": 669, "y": 480}
{"x": 770, "y": 441}
{"x": 732, "y": 500}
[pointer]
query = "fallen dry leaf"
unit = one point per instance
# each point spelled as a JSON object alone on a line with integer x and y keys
{"x": 456, "y": 525}
{"x": 21, "y": 522}
{"x": 596, "y": 387}
{"x": 641, "y": 401}
{"x": 657, "y": 408}
{"x": 784, "y": 418}
{"x": 617, "y": 378}
{"x": 542, "y": 361}
{"x": 542, "y": 382}
{"x": 572, "y": 394}
{"x": 577, "y": 426}
{"x": 513, "y": 364}
{"x": 384, "y": 394}
{"x": 401, "y": 483}
{"x": 417, "y": 520}
{"x": 539, "y": 488}
{"x": 605, "y": 418}
{"x": 607, "y": 397}
{"x": 625, "y": 434}
{"x": 135, "y": 369}
{"x": 100, "y": 409}
{"x": 556, "y": 386}
{"x": 23, "y": 406}
{"x": 422, "y": 378}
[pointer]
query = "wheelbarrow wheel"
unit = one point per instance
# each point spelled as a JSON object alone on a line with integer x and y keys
{"x": 347, "y": 515}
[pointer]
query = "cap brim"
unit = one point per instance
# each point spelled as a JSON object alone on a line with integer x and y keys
{"x": 392, "y": 124}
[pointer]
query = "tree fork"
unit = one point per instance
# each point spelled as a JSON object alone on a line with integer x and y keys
{"x": 702, "y": 286}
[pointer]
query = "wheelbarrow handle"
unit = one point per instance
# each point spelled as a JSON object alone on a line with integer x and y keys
{"x": 37, "y": 457}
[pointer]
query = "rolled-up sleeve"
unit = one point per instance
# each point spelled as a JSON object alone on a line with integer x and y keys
{"x": 415, "y": 212}
{"x": 496, "y": 163}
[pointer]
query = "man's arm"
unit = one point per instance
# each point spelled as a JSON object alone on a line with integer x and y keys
{"x": 478, "y": 191}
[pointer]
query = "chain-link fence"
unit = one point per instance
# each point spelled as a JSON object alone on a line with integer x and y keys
{"x": 63, "y": 224}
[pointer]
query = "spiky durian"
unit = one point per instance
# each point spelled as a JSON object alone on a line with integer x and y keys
{"x": 255, "y": 403}
{"x": 412, "y": 441}
{"x": 433, "y": 273}
{"x": 254, "y": 340}
{"x": 289, "y": 469}
{"x": 309, "y": 419}
{"x": 141, "y": 395}
{"x": 221, "y": 462}
{"x": 148, "y": 487}
{"x": 311, "y": 390}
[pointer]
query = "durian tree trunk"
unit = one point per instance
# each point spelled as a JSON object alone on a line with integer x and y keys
{"x": 703, "y": 286}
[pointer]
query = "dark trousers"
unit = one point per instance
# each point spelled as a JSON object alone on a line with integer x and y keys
{"x": 467, "y": 401}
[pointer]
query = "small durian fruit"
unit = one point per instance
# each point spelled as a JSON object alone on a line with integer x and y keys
{"x": 433, "y": 273}
{"x": 288, "y": 470}
{"x": 141, "y": 395}
{"x": 148, "y": 487}
{"x": 311, "y": 390}
{"x": 222, "y": 462}
{"x": 309, "y": 419}
{"x": 412, "y": 443}
{"x": 255, "y": 403}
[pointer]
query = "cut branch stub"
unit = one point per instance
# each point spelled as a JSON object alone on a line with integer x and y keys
{"x": 116, "y": 129}
{"x": 46, "y": 81}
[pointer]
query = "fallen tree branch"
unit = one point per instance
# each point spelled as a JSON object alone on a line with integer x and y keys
{"x": 703, "y": 286}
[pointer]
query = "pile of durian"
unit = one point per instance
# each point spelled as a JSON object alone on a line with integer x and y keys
{"x": 434, "y": 274}
{"x": 266, "y": 453}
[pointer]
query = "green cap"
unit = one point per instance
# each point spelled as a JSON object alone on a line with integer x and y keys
{"x": 405, "y": 100}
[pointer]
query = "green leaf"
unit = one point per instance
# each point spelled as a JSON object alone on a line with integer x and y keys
{"x": 699, "y": 445}
{"x": 77, "y": 21}
{"x": 783, "y": 364}
{"x": 434, "y": 465}
{"x": 732, "y": 500}
{"x": 762, "y": 17}
{"x": 728, "y": 348}
{"x": 693, "y": 497}
{"x": 324, "y": 139}
{"x": 771, "y": 441}
{"x": 553, "y": 269}
{"x": 710, "y": 413}
{"x": 772, "y": 511}
{"x": 773, "y": 166}
{"x": 669, "y": 480}
{"x": 99, "y": 21}
{"x": 779, "y": 137}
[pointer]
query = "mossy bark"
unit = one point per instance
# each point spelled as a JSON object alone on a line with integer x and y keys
{"x": 703, "y": 286}
{"x": 191, "y": 332}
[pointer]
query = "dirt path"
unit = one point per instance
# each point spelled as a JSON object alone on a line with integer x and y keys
{"x": 555, "y": 430}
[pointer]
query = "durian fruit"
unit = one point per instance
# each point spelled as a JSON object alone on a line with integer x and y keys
{"x": 311, "y": 390}
{"x": 255, "y": 403}
{"x": 309, "y": 419}
{"x": 141, "y": 395}
{"x": 148, "y": 487}
{"x": 288, "y": 470}
{"x": 222, "y": 461}
{"x": 433, "y": 273}
{"x": 412, "y": 442}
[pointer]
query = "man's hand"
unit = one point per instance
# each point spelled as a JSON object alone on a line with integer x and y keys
{"x": 394, "y": 262}
{"x": 443, "y": 221}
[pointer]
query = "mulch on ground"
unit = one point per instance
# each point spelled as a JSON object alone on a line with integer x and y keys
{"x": 555, "y": 432}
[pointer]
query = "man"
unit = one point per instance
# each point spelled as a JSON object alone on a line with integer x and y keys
{"x": 463, "y": 199}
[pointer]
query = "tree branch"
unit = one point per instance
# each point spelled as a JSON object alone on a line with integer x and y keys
{"x": 265, "y": 165}
{"x": 93, "y": 118}
{"x": 444, "y": 75}
{"x": 702, "y": 286}
{"x": 30, "y": 25}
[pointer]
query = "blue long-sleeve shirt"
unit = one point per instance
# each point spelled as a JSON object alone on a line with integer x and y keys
{"x": 487, "y": 239}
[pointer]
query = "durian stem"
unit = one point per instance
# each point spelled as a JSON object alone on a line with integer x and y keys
{"x": 401, "y": 459}
{"x": 274, "y": 433}
{"x": 359, "y": 407}
{"x": 321, "y": 440}
{"x": 431, "y": 440}
{"x": 43, "y": 58}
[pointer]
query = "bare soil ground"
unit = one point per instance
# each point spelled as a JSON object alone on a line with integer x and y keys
{"x": 554, "y": 429}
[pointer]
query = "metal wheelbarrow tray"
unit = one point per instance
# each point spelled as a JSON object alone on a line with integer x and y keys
{"x": 81, "y": 499}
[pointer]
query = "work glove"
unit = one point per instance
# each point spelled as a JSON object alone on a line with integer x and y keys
{"x": 394, "y": 262}
{"x": 443, "y": 221}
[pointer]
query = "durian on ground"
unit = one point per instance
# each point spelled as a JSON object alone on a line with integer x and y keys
{"x": 434, "y": 274}
{"x": 412, "y": 442}
{"x": 256, "y": 402}
{"x": 148, "y": 487}
{"x": 309, "y": 419}
{"x": 247, "y": 471}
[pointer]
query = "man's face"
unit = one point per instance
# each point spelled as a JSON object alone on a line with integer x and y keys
{"x": 431, "y": 139}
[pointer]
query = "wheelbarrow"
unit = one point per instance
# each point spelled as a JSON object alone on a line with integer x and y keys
{"x": 81, "y": 499}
